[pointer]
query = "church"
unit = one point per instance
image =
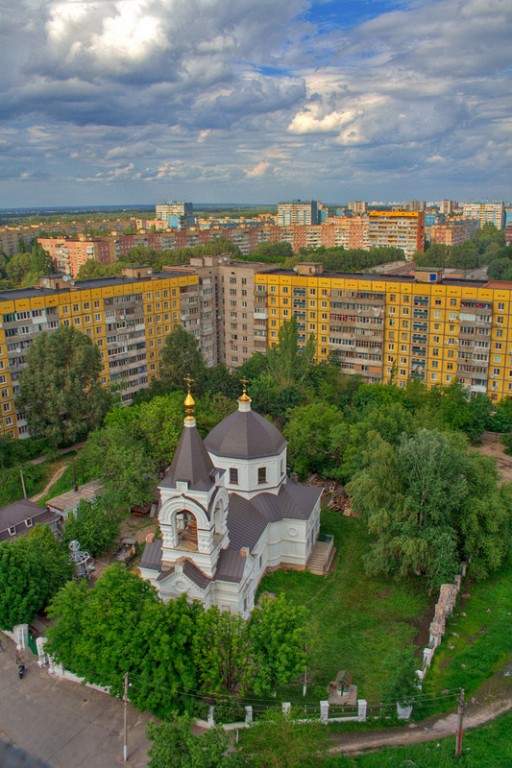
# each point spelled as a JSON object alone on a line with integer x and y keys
{"x": 228, "y": 513}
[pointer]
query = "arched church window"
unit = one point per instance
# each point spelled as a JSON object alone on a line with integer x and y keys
{"x": 186, "y": 529}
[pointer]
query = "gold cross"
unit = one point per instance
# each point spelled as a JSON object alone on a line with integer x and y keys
{"x": 244, "y": 383}
{"x": 188, "y": 381}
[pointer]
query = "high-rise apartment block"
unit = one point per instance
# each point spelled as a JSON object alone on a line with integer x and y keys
{"x": 454, "y": 232}
{"x": 485, "y": 212}
{"x": 382, "y": 327}
{"x": 448, "y": 206}
{"x": 400, "y": 229}
{"x": 177, "y": 215}
{"x": 358, "y": 207}
{"x": 297, "y": 212}
{"x": 68, "y": 254}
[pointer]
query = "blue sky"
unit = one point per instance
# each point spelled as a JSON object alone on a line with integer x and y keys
{"x": 141, "y": 101}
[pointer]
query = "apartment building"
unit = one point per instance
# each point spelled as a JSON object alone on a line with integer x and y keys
{"x": 383, "y": 327}
{"x": 68, "y": 254}
{"x": 390, "y": 328}
{"x": 485, "y": 212}
{"x": 128, "y": 318}
{"x": 453, "y": 232}
{"x": 399, "y": 229}
{"x": 297, "y": 212}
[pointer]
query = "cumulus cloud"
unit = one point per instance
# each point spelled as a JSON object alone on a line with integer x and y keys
{"x": 138, "y": 94}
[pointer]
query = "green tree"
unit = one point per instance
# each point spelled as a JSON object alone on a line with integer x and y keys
{"x": 175, "y": 746}
{"x": 94, "y": 526}
{"x": 109, "y": 617}
{"x": 277, "y": 643}
{"x": 92, "y": 269}
{"x": 287, "y": 362}
{"x": 32, "y": 569}
{"x": 120, "y": 462}
{"x": 412, "y": 498}
{"x": 283, "y": 742}
{"x": 221, "y": 652}
{"x": 181, "y": 356}
{"x": 486, "y": 522}
{"x": 166, "y": 669}
{"x": 18, "y": 267}
{"x": 60, "y": 390}
{"x": 309, "y": 438}
{"x": 272, "y": 253}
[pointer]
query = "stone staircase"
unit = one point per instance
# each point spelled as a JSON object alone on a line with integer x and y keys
{"x": 322, "y": 556}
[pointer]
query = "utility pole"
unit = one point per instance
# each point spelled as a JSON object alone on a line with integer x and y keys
{"x": 23, "y": 483}
{"x": 125, "y": 705}
{"x": 460, "y": 720}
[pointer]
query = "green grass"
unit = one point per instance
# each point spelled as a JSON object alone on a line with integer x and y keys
{"x": 478, "y": 639}
{"x": 489, "y": 746}
{"x": 36, "y": 476}
{"x": 63, "y": 484}
{"x": 354, "y": 622}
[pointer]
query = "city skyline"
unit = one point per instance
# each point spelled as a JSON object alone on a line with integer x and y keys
{"x": 126, "y": 101}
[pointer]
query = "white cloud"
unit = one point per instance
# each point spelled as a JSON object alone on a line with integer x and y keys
{"x": 257, "y": 171}
{"x": 248, "y": 94}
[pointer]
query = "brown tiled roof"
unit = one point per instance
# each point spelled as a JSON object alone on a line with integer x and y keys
{"x": 245, "y": 435}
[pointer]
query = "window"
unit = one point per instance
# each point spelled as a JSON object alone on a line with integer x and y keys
{"x": 233, "y": 476}
{"x": 262, "y": 475}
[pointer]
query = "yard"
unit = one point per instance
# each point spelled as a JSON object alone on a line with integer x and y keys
{"x": 354, "y": 622}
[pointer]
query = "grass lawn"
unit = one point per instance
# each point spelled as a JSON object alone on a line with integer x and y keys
{"x": 63, "y": 484}
{"x": 35, "y": 475}
{"x": 354, "y": 622}
{"x": 478, "y": 640}
{"x": 489, "y": 746}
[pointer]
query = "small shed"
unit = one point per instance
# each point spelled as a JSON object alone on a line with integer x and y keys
{"x": 68, "y": 502}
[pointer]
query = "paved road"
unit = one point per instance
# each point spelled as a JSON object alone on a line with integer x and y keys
{"x": 65, "y": 724}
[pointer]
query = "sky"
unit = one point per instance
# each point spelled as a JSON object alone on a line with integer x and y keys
{"x": 254, "y": 101}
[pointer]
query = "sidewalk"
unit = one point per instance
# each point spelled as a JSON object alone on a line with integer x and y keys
{"x": 65, "y": 724}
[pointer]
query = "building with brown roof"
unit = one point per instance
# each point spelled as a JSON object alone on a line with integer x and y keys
{"x": 19, "y": 518}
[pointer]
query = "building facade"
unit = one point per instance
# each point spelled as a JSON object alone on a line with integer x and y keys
{"x": 485, "y": 212}
{"x": 297, "y": 212}
{"x": 382, "y": 327}
{"x": 127, "y": 317}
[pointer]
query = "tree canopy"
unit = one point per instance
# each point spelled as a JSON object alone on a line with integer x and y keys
{"x": 32, "y": 569}
{"x": 181, "y": 356}
{"x": 60, "y": 390}
{"x": 424, "y": 502}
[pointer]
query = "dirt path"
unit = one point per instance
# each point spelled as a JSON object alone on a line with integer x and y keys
{"x": 491, "y": 446}
{"x": 57, "y": 474}
{"x": 478, "y": 712}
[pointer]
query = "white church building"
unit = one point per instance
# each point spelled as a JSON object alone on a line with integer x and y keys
{"x": 228, "y": 513}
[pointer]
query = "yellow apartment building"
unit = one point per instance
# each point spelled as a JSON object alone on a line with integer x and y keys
{"x": 391, "y": 328}
{"x": 127, "y": 317}
{"x": 384, "y": 328}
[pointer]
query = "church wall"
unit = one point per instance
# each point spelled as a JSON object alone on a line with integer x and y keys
{"x": 248, "y": 484}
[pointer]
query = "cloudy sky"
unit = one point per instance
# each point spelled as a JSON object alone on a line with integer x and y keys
{"x": 140, "y": 101}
